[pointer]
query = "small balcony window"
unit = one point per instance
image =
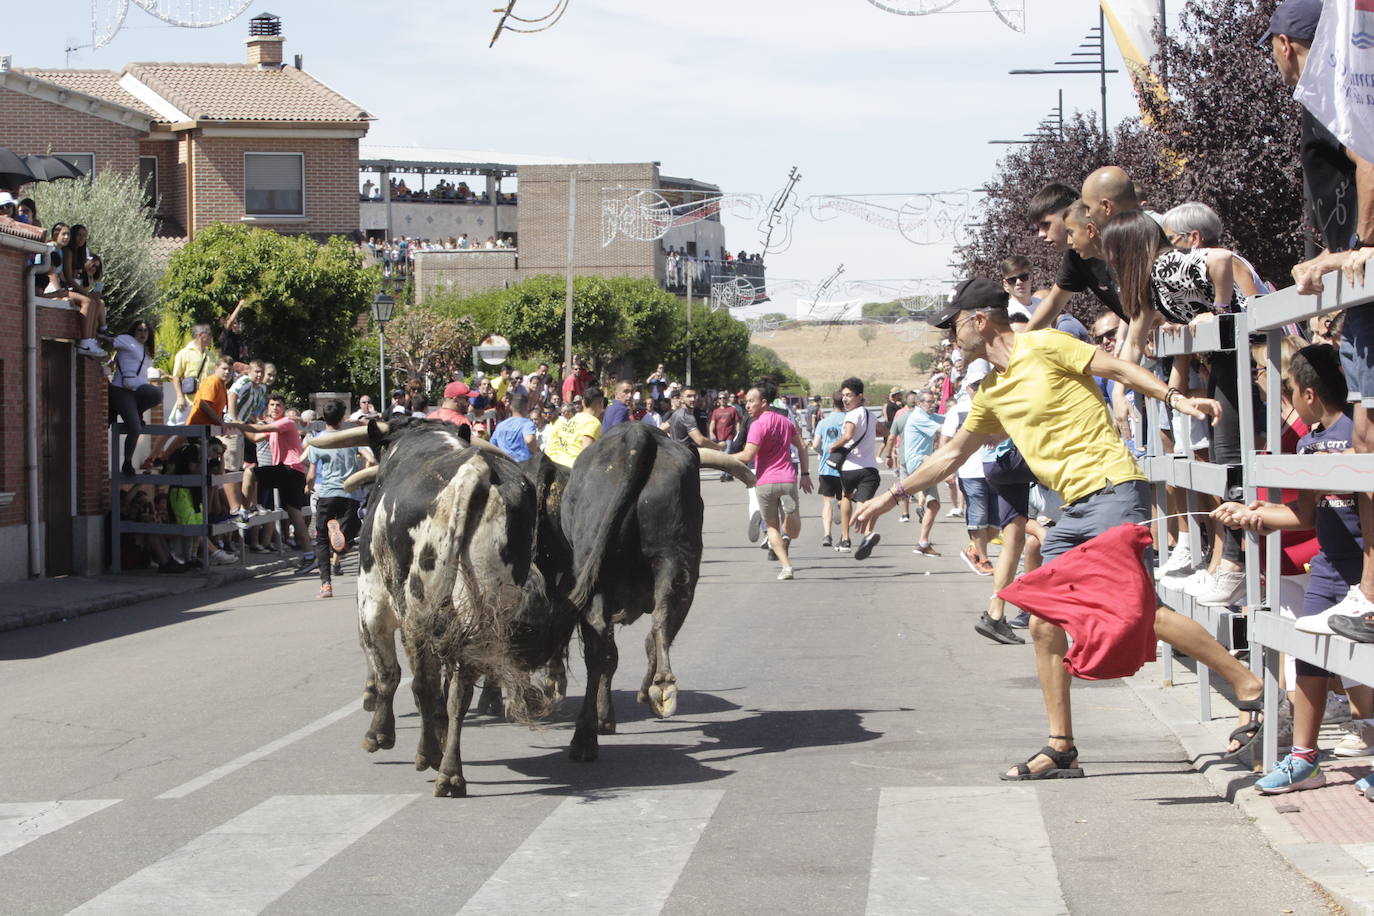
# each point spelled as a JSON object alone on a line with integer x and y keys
{"x": 274, "y": 184}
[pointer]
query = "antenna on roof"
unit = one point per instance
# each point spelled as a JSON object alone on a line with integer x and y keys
{"x": 107, "y": 16}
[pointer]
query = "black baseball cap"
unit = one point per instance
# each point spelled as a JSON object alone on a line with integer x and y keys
{"x": 1294, "y": 18}
{"x": 978, "y": 294}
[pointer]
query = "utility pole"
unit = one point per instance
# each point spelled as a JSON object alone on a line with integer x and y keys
{"x": 689, "y": 326}
{"x": 568, "y": 303}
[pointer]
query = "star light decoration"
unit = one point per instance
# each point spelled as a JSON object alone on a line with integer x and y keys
{"x": 1011, "y": 12}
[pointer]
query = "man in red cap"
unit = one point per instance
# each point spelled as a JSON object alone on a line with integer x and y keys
{"x": 454, "y": 408}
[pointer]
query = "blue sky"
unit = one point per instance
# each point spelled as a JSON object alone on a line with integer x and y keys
{"x": 734, "y": 93}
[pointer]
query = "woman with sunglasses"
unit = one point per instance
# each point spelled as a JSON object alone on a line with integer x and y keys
{"x": 130, "y": 392}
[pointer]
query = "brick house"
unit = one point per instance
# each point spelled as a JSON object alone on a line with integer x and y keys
{"x": 259, "y": 142}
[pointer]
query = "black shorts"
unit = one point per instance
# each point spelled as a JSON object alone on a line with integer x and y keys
{"x": 342, "y": 509}
{"x": 860, "y": 485}
{"x": 286, "y": 480}
{"x": 828, "y": 485}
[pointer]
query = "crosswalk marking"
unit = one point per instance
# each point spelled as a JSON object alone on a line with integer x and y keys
{"x": 245, "y": 863}
{"x": 932, "y": 847}
{"x": 23, "y": 822}
{"x": 608, "y": 856}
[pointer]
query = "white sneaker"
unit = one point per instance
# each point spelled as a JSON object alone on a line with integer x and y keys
{"x": 1199, "y": 581}
{"x": 1227, "y": 588}
{"x": 88, "y": 347}
{"x": 1358, "y": 740}
{"x": 1337, "y": 710}
{"x": 1354, "y": 604}
{"x": 1180, "y": 561}
{"x": 784, "y": 573}
{"x": 223, "y": 558}
{"x": 955, "y": 513}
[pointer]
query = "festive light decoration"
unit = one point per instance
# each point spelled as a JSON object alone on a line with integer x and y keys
{"x": 645, "y": 215}
{"x": 107, "y": 16}
{"x": 923, "y": 219}
{"x": 541, "y": 23}
{"x": 1011, "y": 12}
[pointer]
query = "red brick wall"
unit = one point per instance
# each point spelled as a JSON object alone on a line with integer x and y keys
{"x": 331, "y": 182}
{"x": 29, "y": 125}
{"x": 92, "y": 450}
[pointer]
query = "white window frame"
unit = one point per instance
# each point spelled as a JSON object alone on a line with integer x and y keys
{"x": 89, "y": 174}
{"x": 248, "y": 214}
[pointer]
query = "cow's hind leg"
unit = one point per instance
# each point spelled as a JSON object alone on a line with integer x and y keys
{"x": 671, "y": 603}
{"x": 598, "y": 647}
{"x": 450, "y": 781}
{"x": 426, "y": 684}
{"x": 377, "y": 626}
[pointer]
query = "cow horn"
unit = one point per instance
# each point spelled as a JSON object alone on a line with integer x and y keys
{"x": 484, "y": 445}
{"x": 710, "y": 458}
{"x": 359, "y": 479}
{"x": 342, "y": 438}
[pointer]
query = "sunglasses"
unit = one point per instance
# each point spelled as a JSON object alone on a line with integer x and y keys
{"x": 1103, "y": 338}
{"x": 1019, "y": 278}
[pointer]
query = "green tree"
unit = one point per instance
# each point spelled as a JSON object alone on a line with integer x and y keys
{"x": 303, "y": 298}
{"x": 765, "y": 363}
{"x": 884, "y": 310}
{"x": 921, "y": 360}
{"x": 868, "y": 333}
{"x": 424, "y": 345}
{"x": 119, "y": 228}
{"x": 720, "y": 347}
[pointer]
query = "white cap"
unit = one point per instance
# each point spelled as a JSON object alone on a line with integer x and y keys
{"x": 7, "y": 199}
{"x": 976, "y": 371}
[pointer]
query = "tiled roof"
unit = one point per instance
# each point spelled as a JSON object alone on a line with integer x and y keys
{"x": 240, "y": 92}
{"x": 102, "y": 84}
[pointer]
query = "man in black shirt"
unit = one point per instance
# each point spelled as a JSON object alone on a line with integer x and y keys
{"x": 1076, "y": 273}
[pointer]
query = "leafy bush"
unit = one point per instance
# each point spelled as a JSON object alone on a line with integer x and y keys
{"x": 921, "y": 360}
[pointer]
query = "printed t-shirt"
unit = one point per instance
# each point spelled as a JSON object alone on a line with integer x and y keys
{"x": 1077, "y": 273}
{"x": 772, "y": 433}
{"x": 509, "y": 436}
{"x": 829, "y": 429}
{"x": 251, "y": 399}
{"x": 286, "y": 444}
{"x": 1338, "y": 520}
{"x": 861, "y": 455}
{"x": 211, "y": 394}
{"x": 566, "y": 442}
{"x": 1329, "y": 176}
{"x": 332, "y": 467}
{"x": 1049, "y": 405}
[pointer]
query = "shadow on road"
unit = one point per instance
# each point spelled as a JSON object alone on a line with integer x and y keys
{"x": 625, "y": 763}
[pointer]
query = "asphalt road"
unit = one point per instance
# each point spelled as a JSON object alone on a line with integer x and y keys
{"x": 835, "y": 750}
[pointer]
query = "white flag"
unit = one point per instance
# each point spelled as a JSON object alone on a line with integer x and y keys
{"x": 1337, "y": 84}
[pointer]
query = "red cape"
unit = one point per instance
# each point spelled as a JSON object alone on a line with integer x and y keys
{"x": 1102, "y": 595}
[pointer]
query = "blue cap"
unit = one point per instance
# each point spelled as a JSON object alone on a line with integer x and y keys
{"x": 1294, "y": 18}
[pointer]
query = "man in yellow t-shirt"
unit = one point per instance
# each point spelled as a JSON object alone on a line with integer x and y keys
{"x": 1043, "y": 396}
{"x": 573, "y": 435}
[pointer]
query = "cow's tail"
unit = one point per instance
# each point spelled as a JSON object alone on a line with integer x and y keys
{"x": 610, "y": 513}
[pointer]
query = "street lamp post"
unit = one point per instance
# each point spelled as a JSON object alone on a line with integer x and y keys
{"x": 382, "y": 308}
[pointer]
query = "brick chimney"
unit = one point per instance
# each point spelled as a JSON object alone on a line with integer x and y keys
{"x": 264, "y": 41}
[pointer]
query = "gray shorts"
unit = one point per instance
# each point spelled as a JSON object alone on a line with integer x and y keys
{"x": 1114, "y": 504}
{"x": 777, "y": 500}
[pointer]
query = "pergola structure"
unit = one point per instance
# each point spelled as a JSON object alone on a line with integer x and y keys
{"x": 387, "y": 161}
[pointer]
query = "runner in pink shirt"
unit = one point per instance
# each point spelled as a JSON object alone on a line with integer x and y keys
{"x": 769, "y": 444}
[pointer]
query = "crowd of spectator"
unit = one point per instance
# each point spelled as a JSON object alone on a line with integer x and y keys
{"x": 443, "y": 192}
{"x": 397, "y": 256}
{"x": 703, "y": 269}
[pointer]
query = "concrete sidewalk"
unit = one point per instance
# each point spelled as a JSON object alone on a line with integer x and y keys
{"x": 38, "y": 601}
{"x": 1326, "y": 833}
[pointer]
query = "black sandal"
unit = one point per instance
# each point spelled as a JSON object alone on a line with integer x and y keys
{"x": 1248, "y": 733}
{"x": 1063, "y": 764}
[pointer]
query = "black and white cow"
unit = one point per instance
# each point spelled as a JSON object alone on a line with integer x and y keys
{"x": 447, "y": 555}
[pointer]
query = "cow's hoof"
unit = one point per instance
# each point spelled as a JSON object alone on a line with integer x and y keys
{"x": 605, "y": 727}
{"x": 387, "y": 742}
{"x": 583, "y": 750}
{"x": 663, "y": 699}
{"x": 489, "y": 707}
{"x": 642, "y": 697}
{"x": 423, "y": 762}
{"x": 443, "y": 788}
{"x": 370, "y": 743}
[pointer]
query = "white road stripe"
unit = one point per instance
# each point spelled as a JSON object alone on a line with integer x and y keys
{"x": 246, "y": 863}
{"x": 23, "y": 822}
{"x": 607, "y": 856}
{"x": 238, "y": 763}
{"x": 933, "y": 845}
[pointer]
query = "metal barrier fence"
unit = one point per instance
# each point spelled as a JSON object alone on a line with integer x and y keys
{"x": 1270, "y": 635}
{"x": 202, "y": 481}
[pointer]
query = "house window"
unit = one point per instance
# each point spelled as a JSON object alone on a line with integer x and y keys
{"x": 84, "y": 161}
{"x": 274, "y": 184}
{"x": 147, "y": 177}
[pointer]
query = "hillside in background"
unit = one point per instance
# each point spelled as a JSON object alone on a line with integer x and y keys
{"x": 826, "y": 353}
